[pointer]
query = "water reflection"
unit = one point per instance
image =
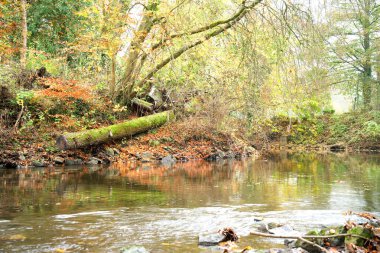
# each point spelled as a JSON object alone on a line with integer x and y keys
{"x": 90, "y": 208}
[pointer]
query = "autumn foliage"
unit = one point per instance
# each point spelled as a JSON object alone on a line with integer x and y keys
{"x": 64, "y": 89}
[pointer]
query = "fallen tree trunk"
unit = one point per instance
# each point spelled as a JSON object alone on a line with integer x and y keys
{"x": 113, "y": 132}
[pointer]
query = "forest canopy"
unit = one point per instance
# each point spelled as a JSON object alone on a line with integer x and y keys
{"x": 246, "y": 60}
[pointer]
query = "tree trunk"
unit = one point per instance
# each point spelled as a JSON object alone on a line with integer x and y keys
{"x": 135, "y": 52}
{"x": 24, "y": 35}
{"x": 113, "y": 132}
{"x": 377, "y": 84}
{"x": 367, "y": 65}
{"x": 113, "y": 76}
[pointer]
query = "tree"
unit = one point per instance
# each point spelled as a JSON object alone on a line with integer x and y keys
{"x": 353, "y": 47}
{"x": 52, "y": 24}
{"x": 103, "y": 22}
{"x": 24, "y": 26}
{"x": 10, "y": 32}
{"x": 134, "y": 77}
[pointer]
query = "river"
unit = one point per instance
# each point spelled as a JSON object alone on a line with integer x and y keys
{"x": 103, "y": 209}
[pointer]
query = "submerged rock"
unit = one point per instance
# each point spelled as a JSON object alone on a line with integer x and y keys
{"x": 168, "y": 160}
{"x": 284, "y": 230}
{"x": 21, "y": 157}
{"x": 210, "y": 239}
{"x": 216, "y": 155}
{"x": 94, "y": 161}
{"x": 70, "y": 162}
{"x": 134, "y": 249}
{"x": 38, "y": 163}
{"x": 110, "y": 152}
{"x": 59, "y": 160}
{"x": 146, "y": 157}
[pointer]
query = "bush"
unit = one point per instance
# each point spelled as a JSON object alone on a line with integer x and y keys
{"x": 371, "y": 130}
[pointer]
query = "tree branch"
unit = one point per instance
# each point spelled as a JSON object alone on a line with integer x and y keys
{"x": 231, "y": 22}
{"x": 207, "y": 27}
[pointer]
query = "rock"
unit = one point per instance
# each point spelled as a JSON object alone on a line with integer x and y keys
{"x": 37, "y": 163}
{"x": 296, "y": 250}
{"x": 216, "y": 155}
{"x": 166, "y": 139}
{"x": 169, "y": 149}
{"x": 266, "y": 227}
{"x": 284, "y": 230}
{"x": 154, "y": 143}
{"x": 94, "y": 161}
{"x": 134, "y": 249}
{"x": 168, "y": 160}
{"x": 9, "y": 164}
{"x": 210, "y": 239}
{"x": 17, "y": 237}
{"x": 230, "y": 155}
{"x": 146, "y": 157}
{"x": 70, "y": 162}
{"x": 110, "y": 152}
{"x": 59, "y": 160}
{"x": 21, "y": 157}
{"x": 116, "y": 151}
{"x": 257, "y": 219}
{"x": 183, "y": 159}
{"x": 250, "y": 150}
{"x": 106, "y": 160}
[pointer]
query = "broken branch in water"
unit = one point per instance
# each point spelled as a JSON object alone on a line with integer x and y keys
{"x": 312, "y": 243}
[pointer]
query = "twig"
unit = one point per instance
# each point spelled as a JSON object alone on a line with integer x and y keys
{"x": 314, "y": 244}
{"x": 15, "y": 127}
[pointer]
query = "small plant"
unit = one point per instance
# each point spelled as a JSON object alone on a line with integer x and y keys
{"x": 371, "y": 129}
{"x": 24, "y": 97}
{"x": 339, "y": 129}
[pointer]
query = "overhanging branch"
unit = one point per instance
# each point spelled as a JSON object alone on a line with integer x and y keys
{"x": 206, "y": 27}
{"x": 228, "y": 23}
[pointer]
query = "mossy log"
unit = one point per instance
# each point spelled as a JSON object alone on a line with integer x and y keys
{"x": 113, "y": 132}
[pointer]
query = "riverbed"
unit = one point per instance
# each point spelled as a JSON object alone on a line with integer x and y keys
{"x": 164, "y": 208}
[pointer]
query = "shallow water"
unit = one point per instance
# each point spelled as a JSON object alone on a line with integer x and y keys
{"x": 91, "y": 209}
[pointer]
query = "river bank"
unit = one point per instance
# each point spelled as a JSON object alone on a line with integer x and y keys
{"x": 168, "y": 144}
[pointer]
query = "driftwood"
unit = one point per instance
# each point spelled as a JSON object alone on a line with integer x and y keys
{"x": 113, "y": 132}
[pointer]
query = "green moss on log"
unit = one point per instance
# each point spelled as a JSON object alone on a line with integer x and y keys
{"x": 113, "y": 132}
